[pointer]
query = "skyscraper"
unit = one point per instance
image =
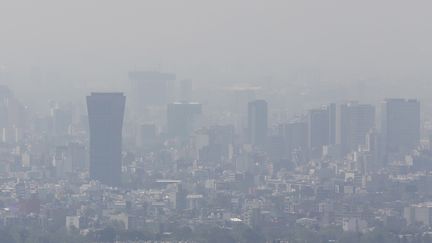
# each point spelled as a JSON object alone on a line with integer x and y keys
{"x": 295, "y": 136}
{"x": 318, "y": 131}
{"x": 332, "y": 111}
{"x": 257, "y": 122}
{"x": 400, "y": 125}
{"x": 105, "y": 112}
{"x": 13, "y": 117}
{"x": 356, "y": 120}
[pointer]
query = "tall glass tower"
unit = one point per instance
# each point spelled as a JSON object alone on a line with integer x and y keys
{"x": 105, "y": 112}
{"x": 257, "y": 122}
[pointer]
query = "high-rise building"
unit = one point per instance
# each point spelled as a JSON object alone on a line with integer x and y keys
{"x": 318, "y": 130}
{"x": 373, "y": 150}
{"x": 13, "y": 116}
{"x": 105, "y": 112}
{"x": 181, "y": 117}
{"x": 237, "y": 103}
{"x": 356, "y": 120}
{"x": 400, "y": 125}
{"x": 332, "y": 111}
{"x": 217, "y": 142}
{"x": 78, "y": 156}
{"x": 257, "y": 122}
{"x": 295, "y": 136}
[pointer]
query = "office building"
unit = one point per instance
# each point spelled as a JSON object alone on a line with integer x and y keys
{"x": 400, "y": 125}
{"x": 257, "y": 122}
{"x": 318, "y": 131}
{"x": 105, "y": 112}
{"x": 356, "y": 120}
{"x": 295, "y": 137}
{"x": 332, "y": 112}
{"x": 418, "y": 213}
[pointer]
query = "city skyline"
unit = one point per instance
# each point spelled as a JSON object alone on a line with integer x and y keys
{"x": 215, "y": 121}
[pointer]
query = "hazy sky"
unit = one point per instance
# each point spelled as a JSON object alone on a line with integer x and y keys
{"x": 97, "y": 41}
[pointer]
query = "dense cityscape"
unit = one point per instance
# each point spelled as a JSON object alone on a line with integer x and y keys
{"x": 160, "y": 121}
{"x": 153, "y": 165}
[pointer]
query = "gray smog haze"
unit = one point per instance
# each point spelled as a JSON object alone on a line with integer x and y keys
{"x": 76, "y": 46}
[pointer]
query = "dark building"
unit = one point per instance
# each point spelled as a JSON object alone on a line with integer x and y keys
{"x": 400, "y": 125}
{"x": 221, "y": 140}
{"x": 257, "y": 122}
{"x": 181, "y": 117}
{"x": 276, "y": 148}
{"x": 295, "y": 136}
{"x": 332, "y": 111}
{"x": 13, "y": 116}
{"x": 356, "y": 120}
{"x": 318, "y": 131}
{"x": 105, "y": 112}
{"x": 78, "y": 156}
